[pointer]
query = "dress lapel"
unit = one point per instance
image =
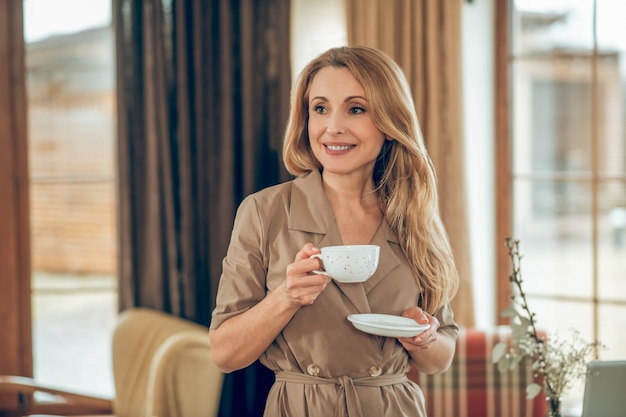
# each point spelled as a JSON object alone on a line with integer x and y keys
{"x": 388, "y": 259}
{"x": 309, "y": 209}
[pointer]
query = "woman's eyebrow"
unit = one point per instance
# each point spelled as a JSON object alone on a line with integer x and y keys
{"x": 353, "y": 97}
{"x": 322, "y": 98}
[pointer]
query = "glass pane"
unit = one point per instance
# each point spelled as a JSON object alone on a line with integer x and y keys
{"x": 552, "y": 219}
{"x": 612, "y": 78}
{"x": 540, "y": 26}
{"x": 71, "y": 125}
{"x": 73, "y": 332}
{"x": 611, "y": 332}
{"x": 611, "y": 116}
{"x": 612, "y": 241}
{"x": 552, "y": 116}
{"x": 610, "y": 24}
{"x": 560, "y": 317}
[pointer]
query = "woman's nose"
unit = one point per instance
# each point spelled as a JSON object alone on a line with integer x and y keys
{"x": 336, "y": 124}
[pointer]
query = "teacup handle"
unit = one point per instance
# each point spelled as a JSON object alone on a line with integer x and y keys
{"x": 317, "y": 271}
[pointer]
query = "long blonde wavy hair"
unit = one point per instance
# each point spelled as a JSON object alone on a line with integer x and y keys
{"x": 404, "y": 176}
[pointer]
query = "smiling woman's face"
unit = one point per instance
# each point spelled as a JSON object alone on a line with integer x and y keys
{"x": 342, "y": 134}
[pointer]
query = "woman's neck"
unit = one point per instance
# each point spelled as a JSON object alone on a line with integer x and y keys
{"x": 357, "y": 212}
{"x": 349, "y": 191}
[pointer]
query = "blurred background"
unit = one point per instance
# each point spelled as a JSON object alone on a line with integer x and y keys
{"x": 567, "y": 136}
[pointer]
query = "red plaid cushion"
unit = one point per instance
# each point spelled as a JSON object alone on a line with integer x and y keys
{"x": 474, "y": 387}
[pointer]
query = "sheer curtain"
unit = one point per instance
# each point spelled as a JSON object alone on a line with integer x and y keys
{"x": 424, "y": 37}
{"x": 203, "y": 96}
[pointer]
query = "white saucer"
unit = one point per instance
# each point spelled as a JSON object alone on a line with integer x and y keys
{"x": 387, "y": 325}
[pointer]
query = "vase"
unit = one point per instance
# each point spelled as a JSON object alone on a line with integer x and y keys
{"x": 554, "y": 406}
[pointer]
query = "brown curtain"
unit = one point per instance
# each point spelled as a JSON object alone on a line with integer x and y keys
{"x": 424, "y": 37}
{"x": 203, "y": 97}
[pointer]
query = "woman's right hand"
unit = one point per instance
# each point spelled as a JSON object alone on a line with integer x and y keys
{"x": 302, "y": 287}
{"x": 242, "y": 339}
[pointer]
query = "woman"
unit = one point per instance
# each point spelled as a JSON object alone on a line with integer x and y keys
{"x": 363, "y": 177}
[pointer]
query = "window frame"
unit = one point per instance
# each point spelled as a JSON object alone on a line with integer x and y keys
{"x": 502, "y": 161}
{"x": 15, "y": 314}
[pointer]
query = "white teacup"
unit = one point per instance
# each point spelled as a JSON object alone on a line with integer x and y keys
{"x": 349, "y": 263}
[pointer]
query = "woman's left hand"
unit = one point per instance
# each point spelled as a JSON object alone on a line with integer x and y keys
{"x": 425, "y": 339}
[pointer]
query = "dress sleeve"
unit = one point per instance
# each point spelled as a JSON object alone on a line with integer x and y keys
{"x": 447, "y": 325}
{"x": 242, "y": 283}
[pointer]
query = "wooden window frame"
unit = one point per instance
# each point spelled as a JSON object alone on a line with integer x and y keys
{"x": 15, "y": 303}
{"x": 502, "y": 155}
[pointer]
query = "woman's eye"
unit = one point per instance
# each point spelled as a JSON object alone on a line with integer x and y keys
{"x": 357, "y": 110}
{"x": 319, "y": 109}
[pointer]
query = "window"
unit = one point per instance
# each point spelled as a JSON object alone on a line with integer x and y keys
{"x": 562, "y": 162}
{"x": 70, "y": 77}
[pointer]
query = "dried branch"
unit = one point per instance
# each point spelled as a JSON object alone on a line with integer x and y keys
{"x": 557, "y": 362}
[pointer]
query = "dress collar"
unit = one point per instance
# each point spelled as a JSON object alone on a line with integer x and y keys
{"x": 310, "y": 211}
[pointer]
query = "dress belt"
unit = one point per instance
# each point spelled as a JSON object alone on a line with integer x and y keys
{"x": 347, "y": 393}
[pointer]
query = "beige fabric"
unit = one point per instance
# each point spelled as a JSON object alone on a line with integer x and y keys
{"x": 424, "y": 37}
{"x": 270, "y": 228}
{"x": 178, "y": 385}
{"x": 162, "y": 367}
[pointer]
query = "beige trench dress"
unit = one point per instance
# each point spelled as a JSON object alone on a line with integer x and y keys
{"x": 324, "y": 366}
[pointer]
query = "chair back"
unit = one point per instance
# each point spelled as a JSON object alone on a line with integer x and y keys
{"x": 162, "y": 367}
